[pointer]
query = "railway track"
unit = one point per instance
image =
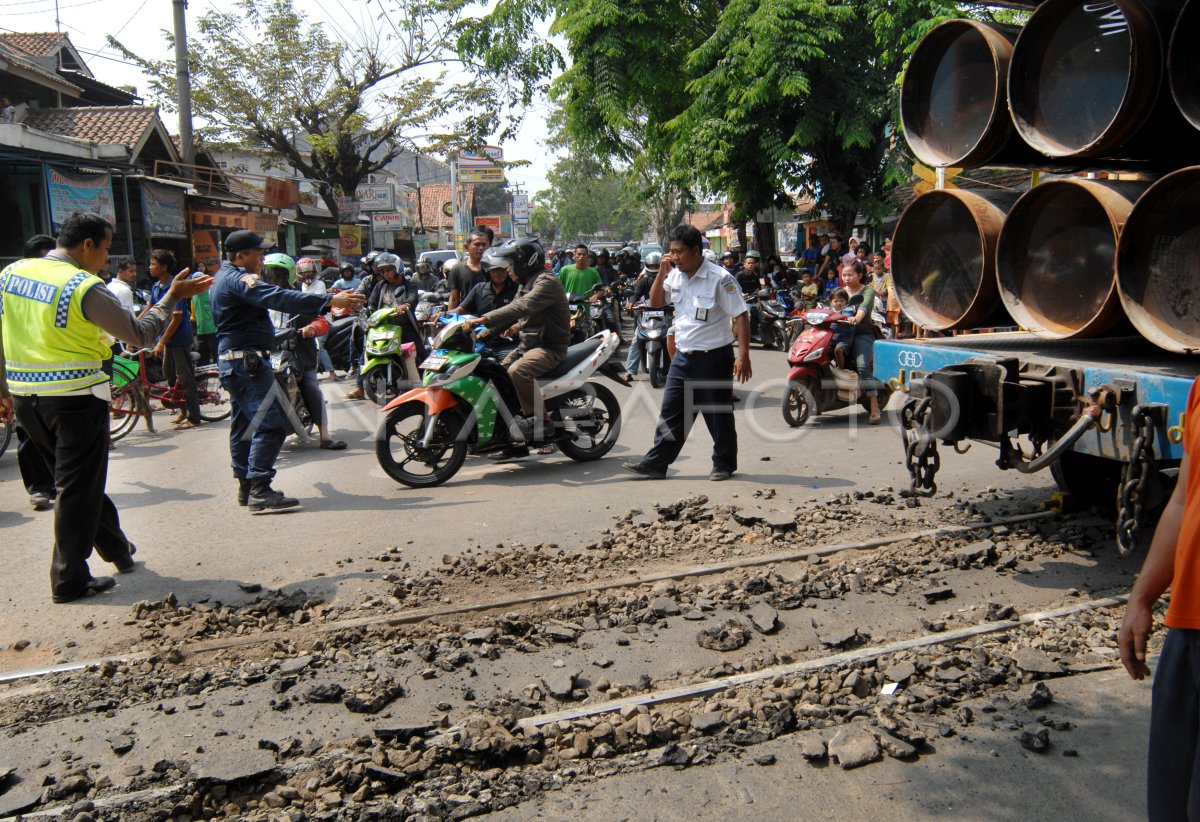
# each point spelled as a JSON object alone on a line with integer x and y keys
{"x": 491, "y": 701}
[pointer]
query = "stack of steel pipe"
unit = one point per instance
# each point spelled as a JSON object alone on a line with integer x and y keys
{"x": 1098, "y": 86}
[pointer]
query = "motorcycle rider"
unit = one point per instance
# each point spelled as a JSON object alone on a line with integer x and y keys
{"x": 640, "y": 294}
{"x": 392, "y": 291}
{"x": 279, "y": 270}
{"x": 424, "y": 279}
{"x": 545, "y": 327}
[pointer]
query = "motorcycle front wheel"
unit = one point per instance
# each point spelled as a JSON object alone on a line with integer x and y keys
{"x": 403, "y": 456}
{"x": 593, "y": 415}
{"x": 657, "y": 378}
{"x": 798, "y": 402}
{"x": 376, "y": 387}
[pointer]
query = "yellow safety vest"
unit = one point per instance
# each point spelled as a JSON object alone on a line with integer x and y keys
{"x": 50, "y": 347}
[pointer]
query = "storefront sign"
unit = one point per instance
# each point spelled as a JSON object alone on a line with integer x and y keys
{"x": 163, "y": 211}
{"x": 482, "y": 174}
{"x": 381, "y": 197}
{"x": 69, "y": 192}
{"x": 206, "y": 250}
{"x": 280, "y": 193}
{"x": 350, "y": 240}
{"x": 390, "y": 222}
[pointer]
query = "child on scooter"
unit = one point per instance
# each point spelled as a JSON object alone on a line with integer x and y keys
{"x": 843, "y": 333}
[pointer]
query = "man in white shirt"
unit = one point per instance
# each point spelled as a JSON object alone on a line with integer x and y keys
{"x": 122, "y": 284}
{"x": 708, "y": 306}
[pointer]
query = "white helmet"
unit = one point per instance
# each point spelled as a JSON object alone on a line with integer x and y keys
{"x": 709, "y": 255}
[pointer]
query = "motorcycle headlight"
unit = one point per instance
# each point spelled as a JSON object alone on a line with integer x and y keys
{"x": 815, "y": 354}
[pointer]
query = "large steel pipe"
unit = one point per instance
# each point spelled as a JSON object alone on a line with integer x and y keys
{"x": 1158, "y": 263}
{"x": 1056, "y": 258}
{"x": 943, "y": 257}
{"x": 1087, "y": 81}
{"x": 1183, "y": 67}
{"x": 954, "y": 98}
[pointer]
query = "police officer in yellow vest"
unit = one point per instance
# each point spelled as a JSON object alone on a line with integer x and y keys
{"x": 53, "y": 312}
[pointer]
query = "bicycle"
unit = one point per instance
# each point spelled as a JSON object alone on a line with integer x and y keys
{"x": 133, "y": 392}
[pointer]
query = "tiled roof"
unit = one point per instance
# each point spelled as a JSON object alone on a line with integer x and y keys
{"x": 35, "y": 44}
{"x": 23, "y": 60}
{"x": 433, "y": 197}
{"x": 120, "y": 125}
{"x": 707, "y": 220}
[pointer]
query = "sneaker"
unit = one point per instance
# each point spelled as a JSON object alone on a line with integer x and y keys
{"x": 40, "y": 501}
{"x": 720, "y": 476}
{"x": 638, "y": 467}
{"x": 266, "y": 500}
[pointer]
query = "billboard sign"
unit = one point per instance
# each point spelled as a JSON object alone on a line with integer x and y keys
{"x": 487, "y": 157}
{"x": 377, "y": 197}
{"x": 482, "y": 174}
{"x": 79, "y": 192}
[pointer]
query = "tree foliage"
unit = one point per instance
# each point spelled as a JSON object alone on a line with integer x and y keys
{"x": 587, "y": 200}
{"x": 750, "y": 99}
{"x": 263, "y": 77}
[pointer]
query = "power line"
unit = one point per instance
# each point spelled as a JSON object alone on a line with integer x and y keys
{"x": 130, "y": 20}
{"x": 47, "y": 11}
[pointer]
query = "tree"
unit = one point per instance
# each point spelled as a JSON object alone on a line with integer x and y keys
{"x": 750, "y": 99}
{"x": 587, "y": 200}
{"x": 263, "y": 77}
{"x": 544, "y": 222}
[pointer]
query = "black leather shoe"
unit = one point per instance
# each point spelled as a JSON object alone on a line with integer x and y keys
{"x": 90, "y": 588}
{"x": 127, "y": 565}
{"x": 266, "y": 500}
{"x": 644, "y": 470}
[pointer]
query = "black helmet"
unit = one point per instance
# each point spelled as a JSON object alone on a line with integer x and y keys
{"x": 525, "y": 256}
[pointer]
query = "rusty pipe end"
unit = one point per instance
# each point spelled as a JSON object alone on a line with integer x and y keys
{"x": 943, "y": 257}
{"x": 1085, "y": 76}
{"x": 953, "y": 99}
{"x": 1158, "y": 263}
{"x": 1056, "y": 256}
{"x": 1183, "y": 69}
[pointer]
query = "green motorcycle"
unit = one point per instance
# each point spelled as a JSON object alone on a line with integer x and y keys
{"x": 467, "y": 404}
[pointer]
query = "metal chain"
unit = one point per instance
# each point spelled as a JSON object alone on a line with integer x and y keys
{"x": 1132, "y": 495}
{"x": 921, "y": 456}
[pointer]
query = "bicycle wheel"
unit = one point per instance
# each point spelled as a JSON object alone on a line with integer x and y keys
{"x": 126, "y": 405}
{"x": 214, "y": 402}
{"x": 5, "y": 436}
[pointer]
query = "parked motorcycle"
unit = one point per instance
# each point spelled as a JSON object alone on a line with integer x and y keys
{"x": 391, "y": 364}
{"x": 467, "y": 403}
{"x": 815, "y": 383}
{"x": 430, "y": 305}
{"x": 652, "y": 327}
{"x": 772, "y": 319}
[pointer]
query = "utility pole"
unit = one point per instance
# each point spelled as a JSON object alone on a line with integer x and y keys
{"x": 183, "y": 80}
{"x": 420, "y": 208}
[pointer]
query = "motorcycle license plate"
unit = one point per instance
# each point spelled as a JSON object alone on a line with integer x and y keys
{"x": 434, "y": 363}
{"x": 276, "y": 362}
{"x": 654, "y": 315}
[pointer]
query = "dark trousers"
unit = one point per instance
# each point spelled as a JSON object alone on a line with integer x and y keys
{"x": 1173, "y": 778}
{"x": 697, "y": 383}
{"x": 310, "y": 394}
{"x": 72, "y": 435}
{"x": 206, "y": 347}
{"x": 35, "y": 473}
{"x": 255, "y": 438}
{"x": 178, "y": 365}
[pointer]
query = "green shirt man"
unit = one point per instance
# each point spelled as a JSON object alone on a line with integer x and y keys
{"x": 579, "y": 278}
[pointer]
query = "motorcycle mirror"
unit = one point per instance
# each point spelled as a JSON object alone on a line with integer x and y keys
{"x": 596, "y": 289}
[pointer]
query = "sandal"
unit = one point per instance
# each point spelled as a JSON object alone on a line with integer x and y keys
{"x": 874, "y": 419}
{"x": 333, "y": 445}
{"x": 356, "y": 394}
{"x": 186, "y": 424}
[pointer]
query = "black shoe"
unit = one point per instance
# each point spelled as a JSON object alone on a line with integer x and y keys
{"x": 513, "y": 452}
{"x": 41, "y": 501}
{"x": 243, "y": 492}
{"x": 266, "y": 500}
{"x": 645, "y": 470}
{"x": 90, "y": 588}
{"x": 127, "y": 564}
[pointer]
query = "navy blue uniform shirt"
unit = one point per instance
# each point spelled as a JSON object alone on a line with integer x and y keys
{"x": 240, "y": 302}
